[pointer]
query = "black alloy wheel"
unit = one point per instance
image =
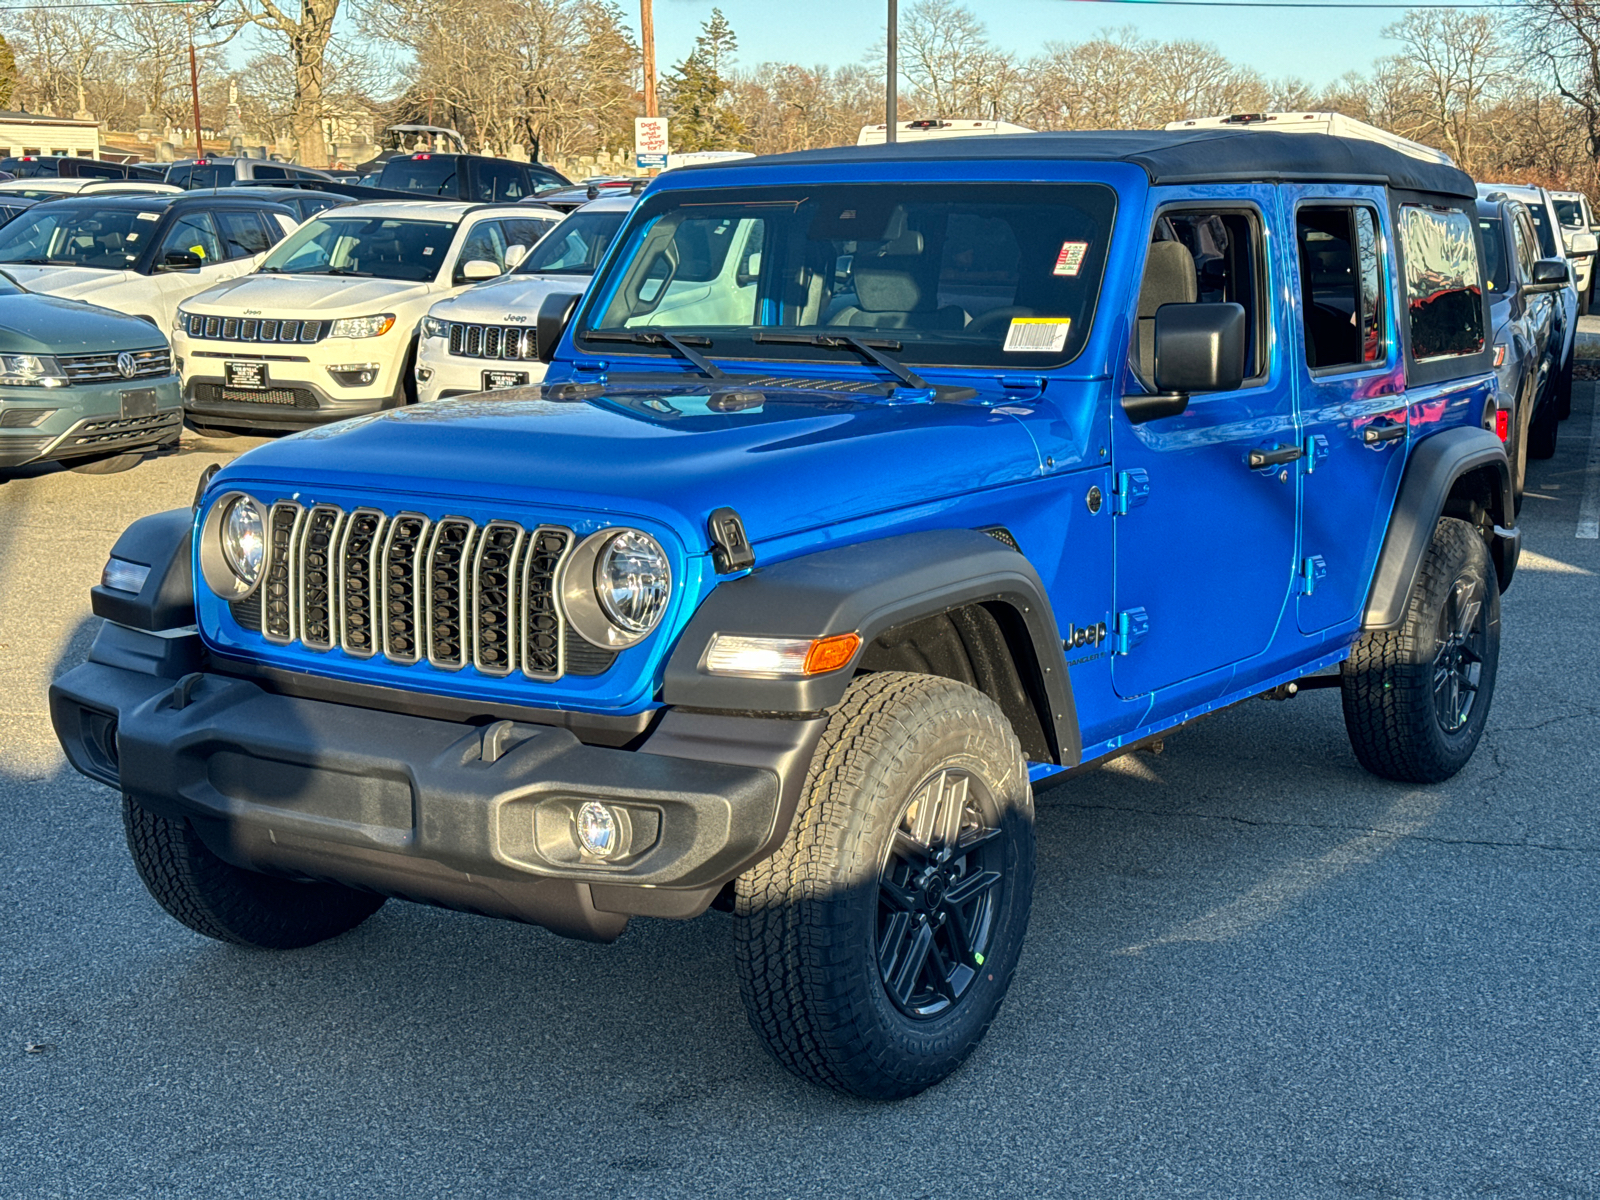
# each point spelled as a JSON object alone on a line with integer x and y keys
{"x": 1459, "y": 648}
{"x": 941, "y": 883}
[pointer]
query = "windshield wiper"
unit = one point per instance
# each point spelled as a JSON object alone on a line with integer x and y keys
{"x": 867, "y": 348}
{"x": 344, "y": 271}
{"x": 655, "y": 337}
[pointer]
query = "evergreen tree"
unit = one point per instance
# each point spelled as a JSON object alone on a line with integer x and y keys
{"x": 696, "y": 96}
{"x": 10, "y": 77}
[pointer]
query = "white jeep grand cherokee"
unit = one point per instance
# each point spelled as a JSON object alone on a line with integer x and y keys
{"x": 326, "y": 327}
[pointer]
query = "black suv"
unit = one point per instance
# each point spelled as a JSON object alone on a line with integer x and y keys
{"x": 473, "y": 177}
{"x": 225, "y": 172}
{"x": 62, "y": 166}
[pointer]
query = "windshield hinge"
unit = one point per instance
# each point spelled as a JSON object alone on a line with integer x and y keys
{"x": 730, "y": 548}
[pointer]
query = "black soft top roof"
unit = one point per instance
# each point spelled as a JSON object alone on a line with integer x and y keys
{"x": 1169, "y": 156}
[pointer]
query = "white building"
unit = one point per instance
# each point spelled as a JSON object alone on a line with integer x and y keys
{"x": 31, "y": 133}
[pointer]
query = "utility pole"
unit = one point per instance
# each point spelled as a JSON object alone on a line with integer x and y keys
{"x": 891, "y": 106}
{"x": 194, "y": 84}
{"x": 647, "y": 35}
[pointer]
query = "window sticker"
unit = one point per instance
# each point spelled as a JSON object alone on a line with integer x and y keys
{"x": 1070, "y": 259}
{"x": 148, "y": 216}
{"x": 427, "y": 250}
{"x": 1037, "y": 335}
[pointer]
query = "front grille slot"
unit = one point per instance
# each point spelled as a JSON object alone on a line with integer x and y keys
{"x": 447, "y": 584}
{"x": 281, "y": 581}
{"x": 448, "y": 592}
{"x": 402, "y": 563}
{"x": 357, "y": 569}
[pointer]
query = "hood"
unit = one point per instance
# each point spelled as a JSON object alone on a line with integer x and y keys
{"x": 801, "y": 459}
{"x": 75, "y": 283}
{"x": 34, "y": 324}
{"x": 277, "y": 296}
{"x": 508, "y": 298}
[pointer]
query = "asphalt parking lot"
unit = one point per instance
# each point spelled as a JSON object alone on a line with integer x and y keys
{"x": 1253, "y": 970}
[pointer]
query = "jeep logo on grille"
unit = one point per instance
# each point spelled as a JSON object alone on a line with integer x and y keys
{"x": 127, "y": 365}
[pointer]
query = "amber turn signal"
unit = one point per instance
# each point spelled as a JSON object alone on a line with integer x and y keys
{"x": 831, "y": 653}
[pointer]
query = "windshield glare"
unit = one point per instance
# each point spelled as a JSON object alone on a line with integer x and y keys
{"x": 999, "y": 275}
{"x": 58, "y": 235}
{"x": 574, "y": 247}
{"x": 380, "y": 247}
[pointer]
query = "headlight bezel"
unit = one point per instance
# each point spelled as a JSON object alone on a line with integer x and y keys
{"x": 31, "y": 370}
{"x": 361, "y": 327}
{"x": 580, "y": 591}
{"x": 180, "y": 323}
{"x": 215, "y": 565}
{"x": 434, "y": 327}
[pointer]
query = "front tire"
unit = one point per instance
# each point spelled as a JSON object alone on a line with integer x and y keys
{"x": 875, "y": 947}
{"x": 231, "y": 904}
{"x": 1416, "y": 698}
{"x": 113, "y": 464}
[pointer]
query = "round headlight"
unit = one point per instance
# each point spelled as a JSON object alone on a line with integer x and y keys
{"x": 633, "y": 581}
{"x": 243, "y": 536}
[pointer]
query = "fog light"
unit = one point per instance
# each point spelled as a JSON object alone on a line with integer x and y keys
{"x": 124, "y": 576}
{"x": 597, "y": 829}
{"x": 424, "y": 374}
{"x": 354, "y": 374}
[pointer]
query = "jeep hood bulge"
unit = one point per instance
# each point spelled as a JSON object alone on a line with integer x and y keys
{"x": 801, "y": 459}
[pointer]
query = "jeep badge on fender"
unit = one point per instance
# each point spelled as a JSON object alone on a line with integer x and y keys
{"x": 756, "y": 599}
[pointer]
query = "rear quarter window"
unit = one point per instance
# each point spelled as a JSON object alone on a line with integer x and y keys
{"x": 1444, "y": 282}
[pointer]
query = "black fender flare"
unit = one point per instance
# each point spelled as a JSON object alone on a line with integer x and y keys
{"x": 868, "y": 588}
{"x": 1436, "y": 464}
{"x": 161, "y": 542}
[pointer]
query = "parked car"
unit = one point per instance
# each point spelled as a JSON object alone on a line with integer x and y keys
{"x": 345, "y": 293}
{"x": 486, "y": 338}
{"x": 81, "y": 385}
{"x": 570, "y": 199}
{"x": 471, "y": 177}
{"x": 140, "y": 254}
{"x": 1524, "y": 314}
{"x": 1541, "y": 208}
{"x": 303, "y": 202}
{"x": 782, "y": 604}
{"x": 50, "y": 188}
{"x": 1578, "y": 232}
{"x": 12, "y": 207}
{"x": 220, "y": 171}
{"x": 62, "y": 166}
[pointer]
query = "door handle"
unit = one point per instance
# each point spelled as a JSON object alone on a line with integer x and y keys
{"x": 1373, "y": 435}
{"x": 1274, "y": 456}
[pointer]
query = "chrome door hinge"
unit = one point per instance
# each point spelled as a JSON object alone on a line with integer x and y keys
{"x": 1132, "y": 627}
{"x": 1316, "y": 449}
{"x": 1313, "y": 570}
{"x": 1132, "y": 489}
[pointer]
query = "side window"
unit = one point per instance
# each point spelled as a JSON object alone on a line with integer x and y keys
{"x": 265, "y": 172}
{"x": 243, "y": 234}
{"x": 192, "y": 234}
{"x": 179, "y": 176}
{"x": 1444, "y": 286}
{"x": 1527, "y": 243}
{"x": 485, "y": 241}
{"x": 1341, "y": 285}
{"x": 1208, "y": 257}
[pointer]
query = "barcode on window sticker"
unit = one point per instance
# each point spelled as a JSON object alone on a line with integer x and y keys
{"x": 1038, "y": 335}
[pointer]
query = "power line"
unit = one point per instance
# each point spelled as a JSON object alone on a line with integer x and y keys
{"x": 1288, "y": 4}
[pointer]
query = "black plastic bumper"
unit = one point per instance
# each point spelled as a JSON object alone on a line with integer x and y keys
{"x": 475, "y": 817}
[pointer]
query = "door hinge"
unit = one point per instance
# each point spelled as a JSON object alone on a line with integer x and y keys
{"x": 1132, "y": 627}
{"x": 1132, "y": 489}
{"x": 1316, "y": 449}
{"x": 1313, "y": 570}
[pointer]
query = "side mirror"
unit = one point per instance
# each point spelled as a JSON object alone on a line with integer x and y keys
{"x": 476, "y": 269}
{"x": 1550, "y": 275}
{"x": 1198, "y": 348}
{"x": 1583, "y": 242}
{"x": 554, "y": 315}
{"x": 181, "y": 260}
{"x": 515, "y": 255}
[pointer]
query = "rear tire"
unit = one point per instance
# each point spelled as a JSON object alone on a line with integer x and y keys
{"x": 231, "y": 904}
{"x": 1416, "y": 698}
{"x": 875, "y": 947}
{"x": 113, "y": 464}
{"x": 1544, "y": 429}
{"x": 1563, "y": 397}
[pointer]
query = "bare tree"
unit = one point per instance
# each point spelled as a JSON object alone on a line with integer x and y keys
{"x": 1563, "y": 36}
{"x": 1455, "y": 64}
{"x": 305, "y": 36}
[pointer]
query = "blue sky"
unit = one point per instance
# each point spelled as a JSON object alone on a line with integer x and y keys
{"x": 1317, "y": 47}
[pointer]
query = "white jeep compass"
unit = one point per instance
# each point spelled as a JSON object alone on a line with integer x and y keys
{"x": 326, "y": 327}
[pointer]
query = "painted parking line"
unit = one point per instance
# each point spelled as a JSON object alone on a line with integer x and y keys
{"x": 1589, "y": 514}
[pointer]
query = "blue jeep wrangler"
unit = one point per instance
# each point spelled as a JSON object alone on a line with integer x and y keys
{"x": 867, "y": 488}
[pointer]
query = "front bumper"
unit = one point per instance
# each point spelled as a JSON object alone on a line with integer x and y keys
{"x": 300, "y": 391}
{"x": 470, "y": 816}
{"x": 87, "y": 420}
{"x": 441, "y": 374}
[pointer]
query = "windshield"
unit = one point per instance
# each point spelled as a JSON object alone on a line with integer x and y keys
{"x": 1570, "y": 213}
{"x": 432, "y": 176}
{"x": 573, "y": 247}
{"x": 78, "y": 236}
{"x": 960, "y": 274}
{"x": 1496, "y": 268}
{"x": 380, "y": 247}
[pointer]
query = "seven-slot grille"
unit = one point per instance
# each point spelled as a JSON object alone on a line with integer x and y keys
{"x": 250, "y": 329}
{"x": 102, "y": 368}
{"x": 514, "y": 342}
{"x": 447, "y": 592}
